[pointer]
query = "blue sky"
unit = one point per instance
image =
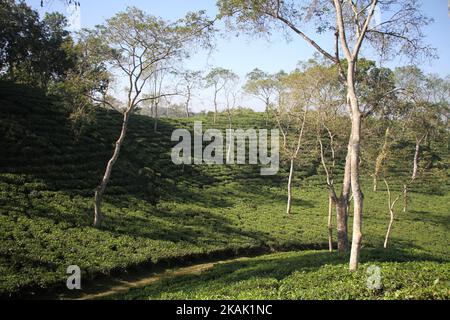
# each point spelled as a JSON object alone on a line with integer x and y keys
{"x": 243, "y": 54}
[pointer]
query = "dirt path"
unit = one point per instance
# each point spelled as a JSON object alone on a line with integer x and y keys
{"x": 104, "y": 288}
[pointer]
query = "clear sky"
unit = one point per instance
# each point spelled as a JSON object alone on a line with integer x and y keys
{"x": 242, "y": 54}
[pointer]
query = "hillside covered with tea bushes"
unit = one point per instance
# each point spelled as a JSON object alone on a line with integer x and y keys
{"x": 159, "y": 213}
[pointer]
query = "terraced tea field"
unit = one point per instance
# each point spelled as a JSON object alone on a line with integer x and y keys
{"x": 161, "y": 214}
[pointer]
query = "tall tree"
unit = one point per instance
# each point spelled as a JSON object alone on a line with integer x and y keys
{"x": 263, "y": 86}
{"x": 377, "y": 94}
{"x": 425, "y": 101}
{"x": 331, "y": 131}
{"x": 34, "y": 51}
{"x": 218, "y": 78}
{"x": 352, "y": 24}
{"x": 190, "y": 80}
{"x": 156, "y": 91}
{"x": 89, "y": 78}
{"x": 231, "y": 93}
{"x": 291, "y": 117}
{"x": 135, "y": 45}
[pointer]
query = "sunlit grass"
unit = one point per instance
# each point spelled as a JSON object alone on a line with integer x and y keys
{"x": 157, "y": 212}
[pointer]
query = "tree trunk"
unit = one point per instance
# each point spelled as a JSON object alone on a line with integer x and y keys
{"x": 391, "y": 212}
{"x": 355, "y": 162}
{"x": 333, "y": 199}
{"x": 188, "y": 101}
{"x": 414, "y": 174}
{"x": 188, "y": 115}
{"x": 391, "y": 222}
{"x": 330, "y": 224}
{"x": 416, "y": 161}
{"x": 391, "y": 205}
{"x": 289, "y": 201}
{"x": 215, "y": 107}
{"x": 342, "y": 206}
{"x": 380, "y": 160}
{"x": 230, "y": 144}
{"x": 100, "y": 191}
{"x": 405, "y": 198}
{"x": 341, "y": 224}
{"x": 155, "y": 129}
{"x": 357, "y": 193}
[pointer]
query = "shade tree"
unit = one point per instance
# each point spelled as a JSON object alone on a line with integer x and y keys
{"x": 424, "y": 104}
{"x": 263, "y": 86}
{"x": 34, "y": 51}
{"x": 217, "y": 79}
{"x": 232, "y": 93}
{"x": 190, "y": 80}
{"x": 135, "y": 46}
{"x": 331, "y": 132}
{"x": 351, "y": 24}
{"x": 291, "y": 115}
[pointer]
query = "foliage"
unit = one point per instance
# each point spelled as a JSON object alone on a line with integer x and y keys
{"x": 33, "y": 51}
{"x": 262, "y": 85}
{"x": 160, "y": 212}
{"x": 424, "y": 103}
{"x": 219, "y": 78}
{"x": 308, "y": 275}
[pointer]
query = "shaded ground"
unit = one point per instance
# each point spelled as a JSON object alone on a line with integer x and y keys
{"x": 305, "y": 275}
{"x": 106, "y": 288}
{"x": 157, "y": 212}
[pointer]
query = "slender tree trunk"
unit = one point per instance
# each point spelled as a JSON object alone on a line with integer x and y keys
{"x": 414, "y": 174}
{"x": 391, "y": 206}
{"x": 357, "y": 193}
{"x": 155, "y": 129}
{"x": 215, "y": 107}
{"x": 332, "y": 198}
{"x": 355, "y": 163}
{"x": 391, "y": 221}
{"x": 389, "y": 229}
{"x": 380, "y": 160}
{"x": 340, "y": 203}
{"x": 230, "y": 144}
{"x": 188, "y": 101}
{"x": 341, "y": 225}
{"x": 356, "y": 123}
{"x": 405, "y": 198}
{"x": 342, "y": 207}
{"x": 330, "y": 223}
{"x": 100, "y": 191}
{"x": 416, "y": 161}
{"x": 289, "y": 201}
{"x": 188, "y": 115}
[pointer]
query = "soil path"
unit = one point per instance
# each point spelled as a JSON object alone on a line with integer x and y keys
{"x": 104, "y": 288}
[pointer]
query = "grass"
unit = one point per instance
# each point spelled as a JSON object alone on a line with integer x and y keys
{"x": 157, "y": 212}
{"x": 308, "y": 275}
